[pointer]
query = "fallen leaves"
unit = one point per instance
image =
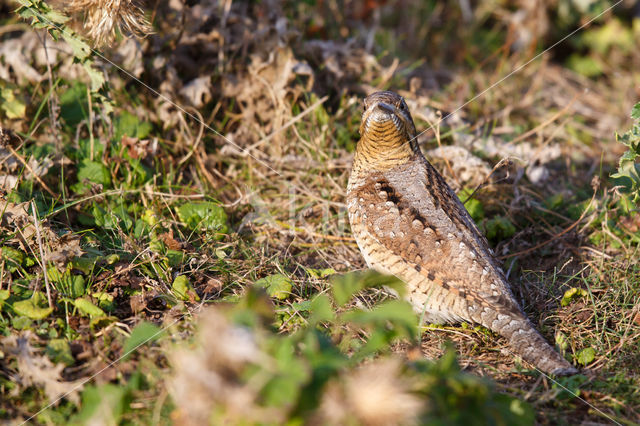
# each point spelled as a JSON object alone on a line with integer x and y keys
{"x": 36, "y": 369}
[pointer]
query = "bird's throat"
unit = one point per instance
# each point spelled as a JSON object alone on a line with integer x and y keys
{"x": 382, "y": 149}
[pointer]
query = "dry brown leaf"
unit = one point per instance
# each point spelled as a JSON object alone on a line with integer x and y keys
{"x": 64, "y": 248}
{"x": 37, "y": 370}
{"x": 469, "y": 170}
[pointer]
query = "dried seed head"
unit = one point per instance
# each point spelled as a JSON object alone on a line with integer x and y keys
{"x": 103, "y": 18}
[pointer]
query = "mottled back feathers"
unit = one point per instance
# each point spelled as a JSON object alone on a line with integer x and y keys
{"x": 408, "y": 222}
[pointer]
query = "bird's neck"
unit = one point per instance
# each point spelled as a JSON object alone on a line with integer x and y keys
{"x": 382, "y": 151}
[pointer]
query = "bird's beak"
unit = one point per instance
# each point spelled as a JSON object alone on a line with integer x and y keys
{"x": 386, "y": 107}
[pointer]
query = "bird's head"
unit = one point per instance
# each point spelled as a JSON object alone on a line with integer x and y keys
{"x": 387, "y": 132}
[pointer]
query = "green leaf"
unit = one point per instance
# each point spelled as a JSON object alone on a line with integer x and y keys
{"x": 635, "y": 111}
{"x": 59, "y": 351}
{"x": 14, "y": 258}
{"x": 346, "y": 286}
{"x": 35, "y": 307}
{"x": 86, "y": 307}
{"x": 4, "y": 295}
{"x": 572, "y": 294}
{"x": 74, "y": 105}
{"x": 398, "y": 312}
{"x": 56, "y": 16}
{"x": 473, "y": 206}
{"x": 10, "y": 104}
{"x": 319, "y": 273}
{"x": 176, "y": 258}
{"x": 70, "y": 285}
{"x": 277, "y": 285}
{"x": 95, "y": 75}
{"x": 105, "y": 300}
{"x": 94, "y": 172}
{"x": 204, "y": 215}
{"x": 183, "y": 289}
{"x": 585, "y": 65}
{"x": 81, "y": 50}
{"x": 143, "y": 333}
{"x": 561, "y": 341}
{"x": 586, "y": 356}
{"x": 321, "y": 309}
{"x": 99, "y": 402}
{"x": 499, "y": 228}
{"x": 128, "y": 124}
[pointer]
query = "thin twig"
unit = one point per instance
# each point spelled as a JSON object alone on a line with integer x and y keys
{"x": 504, "y": 161}
{"x": 545, "y": 123}
{"x": 33, "y": 173}
{"x": 556, "y": 236}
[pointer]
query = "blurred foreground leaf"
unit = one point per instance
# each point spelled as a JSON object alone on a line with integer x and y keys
{"x": 346, "y": 286}
{"x": 143, "y": 333}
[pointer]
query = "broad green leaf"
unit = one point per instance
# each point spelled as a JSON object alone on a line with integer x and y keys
{"x": 10, "y": 104}
{"x": 56, "y": 16}
{"x": 86, "y": 307}
{"x": 585, "y": 65}
{"x": 4, "y": 295}
{"x": 21, "y": 323}
{"x": 499, "y": 228}
{"x": 183, "y": 289}
{"x": 128, "y": 124}
{"x": 277, "y": 285}
{"x": 73, "y": 285}
{"x": 81, "y": 50}
{"x": 74, "y": 106}
{"x": 105, "y": 300}
{"x": 150, "y": 217}
{"x": 59, "y": 351}
{"x": 398, "y": 312}
{"x": 346, "y": 286}
{"x": 35, "y": 307}
{"x": 204, "y": 215}
{"x": 321, "y": 309}
{"x": 14, "y": 258}
{"x": 95, "y": 75}
{"x": 176, "y": 258}
{"x": 320, "y": 273}
{"x": 85, "y": 263}
{"x": 143, "y": 333}
{"x": 473, "y": 206}
{"x": 586, "y": 356}
{"x": 98, "y": 400}
{"x": 94, "y": 172}
{"x": 572, "y": 294}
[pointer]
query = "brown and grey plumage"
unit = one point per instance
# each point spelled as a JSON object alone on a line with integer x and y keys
{"x": 408, "y": 222}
